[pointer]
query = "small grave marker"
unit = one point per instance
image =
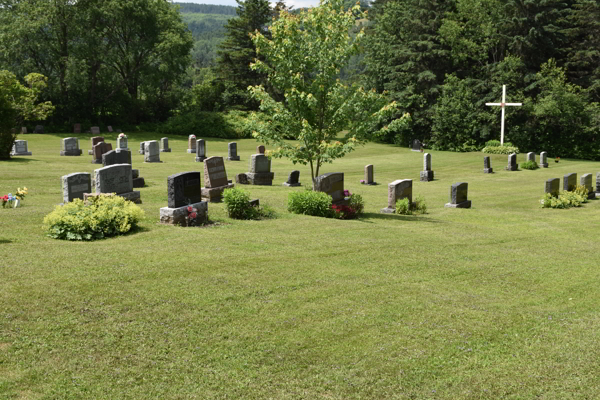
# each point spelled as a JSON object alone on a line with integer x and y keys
{"x": 293, "y": 179}
{"x": 164, "y": 144}
{"x": 151, "y": 152}
{"x": 232, "y": 154}
{"x": 70, "y": 147}
{"x": 458, "y": 196}
{"x": 552, "y": 186}
{"x": 75, "y": 185}
{"x": 569, "y": 182}
{"x": 20, "y": 148}
{"x": 200, "y": 150}
{"x": 398, "y": 190}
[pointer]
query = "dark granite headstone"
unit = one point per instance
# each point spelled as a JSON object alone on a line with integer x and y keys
{"x": 416, "y": 145}
{"x": 293, "y": 179}
{"x": 332, "y": 184}
{"x": 183, "y": 189}
{"x": 75, "y": 185}
{"x": 487, "y": 165}
{"x": 118, "y": 156}
{"x": 458, "y": 196}
{"x": 569, "y": 182}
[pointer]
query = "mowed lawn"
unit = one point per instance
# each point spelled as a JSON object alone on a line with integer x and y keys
{"x": 500, "y": 301}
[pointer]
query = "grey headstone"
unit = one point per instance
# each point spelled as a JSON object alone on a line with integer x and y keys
{"x": 512, "y": 163}
{"x": 487, "y": 165}
{"x": 20, "y": 148}
{"x": 530, "y": 156}
{"x": 23, "y": 129}
{"x": 427, "y": 174}
{"x": 242, "y": 179}
{"x": 369, "y": 174}
{"x": 416, "y": 145}
{"x": 552, "y": 186}
{"x": 122, "y": 142}
{"x": 569, "y": 182}
{"x": 114, "y": 179}
{"x": 293, "y": 179}
{"x": 70, "y": 147}
{"x": 95, "y": 130}
{"x": 75, "y": 185}
{"x": 214, "y": 172}
{"x": 586, "y": 180}
{"x": 142, "y": 147}
{"x": 332, "y": 184}
{"x": 118, "y": 156}
{"x": 151, "y": 152}
{"x": 39, "y": 129}
{"x": 398, "y": 190}
{"x": 191, "y": 144}
{"x": 232, "y": 152}
{"x": 200, "y": 150}
{"x": 544, "y": 159}
{"x": 164, "y": 144}
{"x": 259, "y": 163}
{"x": 458, "y": 196}
{"x": 183, "y": 189}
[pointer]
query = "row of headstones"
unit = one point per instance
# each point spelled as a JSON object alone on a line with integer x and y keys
{"x": 570, "y": 181}
{"x": 198, "y": 147}
{"x": 512, "y": 161}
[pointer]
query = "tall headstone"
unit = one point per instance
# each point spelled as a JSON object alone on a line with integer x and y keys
{"x": 24, "y": 130}
{"x": 151, "y": 152}
{"x": 512, "y": 163}
{"x": 142, "y": 148}
{"x": 77, "y": 128}
{"x": 95, "y": 130}
{"x": 183, "y": 191}
{"x": 191, "y": 144}
{"x": 232, "y": 154}
{"x": 118, "y": 156}
{"x": 543, "y": 159}
{"x": 416, "y": 145}
{"x": 586, "y": 181}
{"x": 215, "y": 179}
{"x": 200, "y": 150}
{"x": 458, "y": 196}
{"x": 122, "y": 142}
{"x": 75, "y": 185}
{"x": 20, "y": 148}
{"x": 369, "y": 175}
{"x": 398, "y": 190}
{"x": 70, "y": 147}
{"x": 427, "y": 173}
{"x": 39, "y": 129}
{"x": 333, "y": 184}
{"x": 487, "y": 165}
{"x": 293, "y": 179}
{"x": 260, "y": 170}
{"x": 530, "y": 156}
{"x": 552, "y": 186}
{"x": 116, "y": 179}
{"x": 569, "y": 182}
{"x": 99, "y": 150}
{"x": 164, "y": 144}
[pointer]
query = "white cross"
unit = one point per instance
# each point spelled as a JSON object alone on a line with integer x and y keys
{"x": 504, "y": 103}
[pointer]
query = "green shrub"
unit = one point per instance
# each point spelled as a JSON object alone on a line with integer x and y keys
{"x": 104, "y": 216}
{"x": 420, "y": 207}
{"x": 307, "y": 202}
{"x": 492, "y": 143}
{"x": 357, "y": 203}
{"x": 404, "y": 207}
{"x": 237, "y": 204}
{"x": 529, "y": 165}
{"x": 501, "y": 149}
{"x": 566, "y": 199}
{"x": 201, "y": 124}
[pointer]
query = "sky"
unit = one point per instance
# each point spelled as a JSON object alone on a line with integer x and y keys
{"x": 295, "y": 3}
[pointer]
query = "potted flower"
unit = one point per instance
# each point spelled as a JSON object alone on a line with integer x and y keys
{"x": 557, "y": 159}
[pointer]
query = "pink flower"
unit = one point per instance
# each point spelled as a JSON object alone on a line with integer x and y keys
{"x": 193, "y": 215}
{"x": 190, "y": 209}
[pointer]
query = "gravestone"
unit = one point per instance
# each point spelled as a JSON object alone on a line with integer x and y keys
{"x": 427, "y": 173}
{"x": 191, "y": 144}
{"x": 39, "y": 129}
{"x": 598, "y": 182}
{"x": 95, "y": 141}
{"x": 369, "y": 175}
{"x": 458, "y": 196}
{"x": 232, "y": 154}
{"x": 164, "y": 144}
{"x": 70, "y": 147}
{"x": 543, "y": 159}
{"x": 569, "y": 182}
{"x": 183, "y": 189}
{"x": 260, "y": 149}
{"x": 530, "y": 156}
{"x": 75, "y": 185}
{"x": 215, "y": 179}
{"x": 151, "y": 152}
{"x": 20, "y": 148}
{"x": 200, "y": 150}
{"x": 23, "y": 130}
{"x": 260, "y": 170}
{"x": 242, "y": 179}
{"x": 118, "y": 156}
{"x": 110, "y": 129}
{"x": 333, "y": 184}
{"x": 512, "y": 163}
{"x": 122, "y": 142}
{"x": 293, "y": 179}
{"x": 487, "y": 165}
{"x": 77, "y": 128}
{"x": 398, "y": 190}
{"x": 116, "y": 179}
{"x": 99, "y": 150}
{"x": 95, "y": 130}
{"x": 586, "y": 180}
{"x": 416, "y": 145}
{"x": 552, "y": 186}
{"x": 142, "y": 147}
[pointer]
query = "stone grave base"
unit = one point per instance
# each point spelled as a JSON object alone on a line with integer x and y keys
{"x": 236, "y": 158}
{"x": 96, "y": 161}
{"x": 464, "y": 204}
{"x": 511, "y": 168}
{"x": 141, "y": 151}
{"x": 426, "y": 176}
{"x": 177, "y": 216}
{"x": 200, "y": 159}
{"x": 391, "y": 210}
{"x": 260, "y": 178}
{"x": 214, "y": 195}
{"x": 70, "y": 152}
{"x": 138, "y": 182}
{"x": 242, "y": 179}
{"x": 488, "y": 170}
{"x": 153, "y": 160}
{"x": 90, "y": 152}
{"x": 544, "y": 165}
{"x": 131, "y": 196}
{"x": 28, "y": 153}
{"x": 191, "y": 151}
{"x": 165, "y": 150}
{"x": 294, "y": 184}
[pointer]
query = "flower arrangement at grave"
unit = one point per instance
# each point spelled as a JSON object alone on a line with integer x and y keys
{"x": 192, "y": 216}
{"x": 122, "y": 135}
{"x": 353, "y": 210}
{"x": 362, "y": 181}
{"x": 13, "y": 201}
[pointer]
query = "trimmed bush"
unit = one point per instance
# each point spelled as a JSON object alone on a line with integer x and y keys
{"x": 529, "y": 165}
{"x": 403, "y": 207}
{"x": 566, "y": 199}
{"x": 501, "y": 149}
{"x": 104, "y": 216}
{"x": 307, "y": 202}
{"x": 237, "y": 204}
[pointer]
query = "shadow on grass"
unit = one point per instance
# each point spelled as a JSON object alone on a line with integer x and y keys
{"x": 19, "y": 160}
{"x": 5, "y": 241}
{"x": 405, "y": 218}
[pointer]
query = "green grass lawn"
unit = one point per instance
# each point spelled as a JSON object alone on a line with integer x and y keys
{"x": 500, "y": 301}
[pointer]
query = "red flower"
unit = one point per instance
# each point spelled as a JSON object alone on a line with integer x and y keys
{"x": 190, "y": 209}
{"x": 193, "y": 215}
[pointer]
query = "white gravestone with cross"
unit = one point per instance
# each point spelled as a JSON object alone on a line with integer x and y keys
{"x": 503, "y": 104}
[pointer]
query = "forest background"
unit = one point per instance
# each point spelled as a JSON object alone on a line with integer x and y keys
{"x": 182, "y": 68}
